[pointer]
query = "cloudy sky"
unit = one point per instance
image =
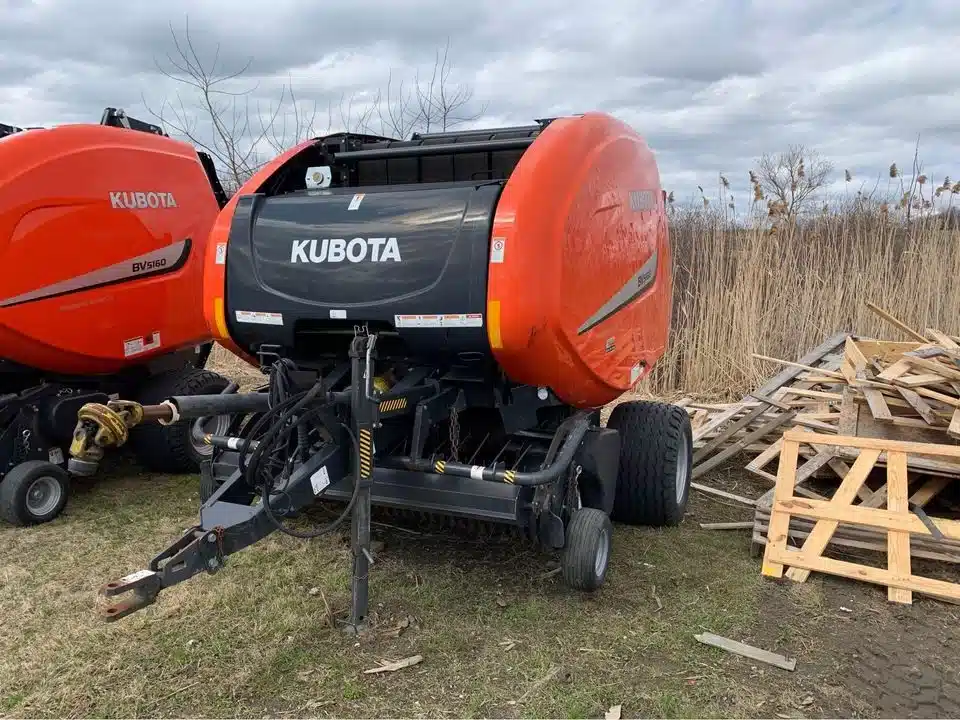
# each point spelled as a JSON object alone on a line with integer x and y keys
{"x": 711, "y": 84}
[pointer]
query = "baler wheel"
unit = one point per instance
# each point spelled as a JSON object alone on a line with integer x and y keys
{"x": 172, "y": 448}
{"x": 656, "y": 450}
{"x": 33, "y": 492}
{"x": 586, "y": 554}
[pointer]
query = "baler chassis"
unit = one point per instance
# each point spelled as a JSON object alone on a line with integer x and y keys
{"x": 294, "y": 446}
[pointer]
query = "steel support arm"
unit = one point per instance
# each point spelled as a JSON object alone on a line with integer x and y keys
{"x": 225, "y": 528}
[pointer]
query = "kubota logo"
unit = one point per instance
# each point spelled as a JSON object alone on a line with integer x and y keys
{"x": 380, "y": 249}
{"x": 142, "y": 200}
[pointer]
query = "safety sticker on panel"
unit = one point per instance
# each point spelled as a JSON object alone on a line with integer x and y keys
{"x": 221, "y": 254}
{"x": 137, "y": 345}
{"x": 497, "y": 248}
{"x": 259, "y": 318}
{"x": 457, "y": 320}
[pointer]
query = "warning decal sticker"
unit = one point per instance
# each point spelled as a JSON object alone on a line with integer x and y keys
{"x": 460, "y": 320}
{"x": 259, "y": 318}
{"x": 497, "y": 248}
{"x": 137, "y": 345}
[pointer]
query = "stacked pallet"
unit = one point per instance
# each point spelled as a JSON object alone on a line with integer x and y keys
{"x": 822, "y": 433}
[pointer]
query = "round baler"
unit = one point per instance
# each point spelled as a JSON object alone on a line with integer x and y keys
{"x": 102, "y": 236}
{"x": 442, "y": 319}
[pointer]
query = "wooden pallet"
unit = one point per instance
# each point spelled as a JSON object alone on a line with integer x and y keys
{"x": 886, "y": 512}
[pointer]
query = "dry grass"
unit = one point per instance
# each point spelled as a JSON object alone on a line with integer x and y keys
{"x": 252, "y": 640}
{"x": 229, "y": 365}
{"x": 487, "y": 617}
{"x": 749, "y": 290}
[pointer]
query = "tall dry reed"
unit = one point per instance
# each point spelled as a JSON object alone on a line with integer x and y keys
{"x": 744, "y": 290}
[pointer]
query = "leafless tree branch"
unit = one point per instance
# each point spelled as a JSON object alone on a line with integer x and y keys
{"x": 791, "y": 179}
{"x": 214, "y": 110}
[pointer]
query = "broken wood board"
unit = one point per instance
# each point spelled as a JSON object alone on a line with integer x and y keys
{"x": 749, "y": 651}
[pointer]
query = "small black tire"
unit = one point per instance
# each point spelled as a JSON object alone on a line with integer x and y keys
{"x": 172, "y": 448}
{"x": 656, "y": 458}
{"x": 586, "y": 553}
{"x": 33, "y": 492}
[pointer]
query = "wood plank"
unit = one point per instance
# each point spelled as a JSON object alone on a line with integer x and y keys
{"x": 954, "y": 429}
{"x": 868, "y": 517}
{"x": 724, "y": 435}
{"x": 906, "y": 329}
{"x": 717, "y": 421}
{"x": 780, "y": 518}
{"x": 878, "y": 406}
{"x": 745, "y": 525}
{"x": 921, "y": 406}
{"x": 914, "y": 381}
{"x": 738, "y": 446}
{"x": 934, "y": 449}
{"x": 895, "y": 370}
{"x": 761, "y": 460}
{"x": 877, "y": 576}
{"x": 898, "y": 542}
{"x": 886, "y": 351}
{"x": 739, "y": 648}
{"x": 844, "y": 537}
{"x": 723, "y": 493}
{"x": 789, "y": 363}
{"x": 811, "y": 358}
{"x": 926, "y": 547}
{"x": 942, "y": 339}
{"x": 817, "y": 394}
{"x": 805, "y": 471}
{"x": 929, "y": 490}
{"x": 936, "y": 368}
{"x": 934, "y": 395}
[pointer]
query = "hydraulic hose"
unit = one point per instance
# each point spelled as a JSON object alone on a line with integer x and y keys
{"x": 573, "y": 430}
{"x": 278, "y": 429}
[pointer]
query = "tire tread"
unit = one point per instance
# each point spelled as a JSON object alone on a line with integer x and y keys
{"x": 651, "y": 436}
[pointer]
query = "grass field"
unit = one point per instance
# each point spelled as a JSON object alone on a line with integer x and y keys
{"x": 488, "y": 617}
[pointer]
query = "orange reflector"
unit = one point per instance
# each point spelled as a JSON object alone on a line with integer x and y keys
{"x": 493, "y": 324}
{"x": 219, "y": 318}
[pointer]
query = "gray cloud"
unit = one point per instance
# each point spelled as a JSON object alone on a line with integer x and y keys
{"x": 712, "y": 84}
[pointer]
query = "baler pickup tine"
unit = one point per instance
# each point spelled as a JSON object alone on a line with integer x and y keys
{"x": 145, "y": 586}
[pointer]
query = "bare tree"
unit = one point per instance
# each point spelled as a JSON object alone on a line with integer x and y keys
{"x": 790, "y": 179}
{"x": 214, "y": 110}
{"x": 217, "y": 116}
{"x": 434, "y": 103}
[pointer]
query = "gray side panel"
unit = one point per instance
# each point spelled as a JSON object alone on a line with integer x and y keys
{"x": 634, "y": 288}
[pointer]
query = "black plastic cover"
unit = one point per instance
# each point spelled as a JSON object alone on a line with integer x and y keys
{"x": 305, "y": 268}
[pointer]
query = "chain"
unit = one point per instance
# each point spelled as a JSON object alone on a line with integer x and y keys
{"x": 573, "y": 490}
{"x": 454, "y": 435}
{"x": 22, "y": 449}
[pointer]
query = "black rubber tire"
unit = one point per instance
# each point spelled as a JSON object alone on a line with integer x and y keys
{"x": 168, "y": 448}
{"x": 14, "y": 488}
{"x": 654, "y": 439}
{"x": 587, "y": 530}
